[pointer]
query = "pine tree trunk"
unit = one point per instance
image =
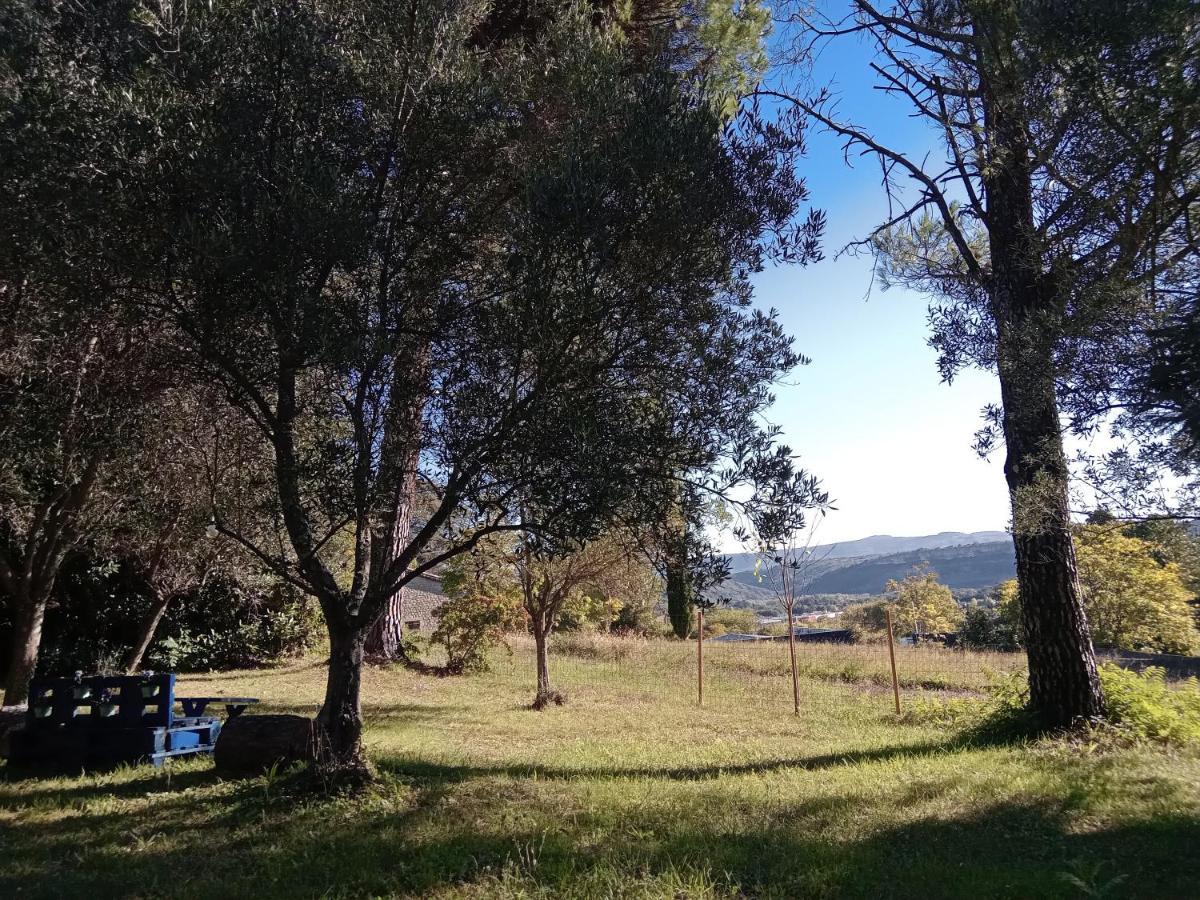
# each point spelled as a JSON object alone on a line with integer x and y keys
{"x": 29, "y": 612}
{"x": 401, "y": 451}
{"x": 1064, "y": 686}
{"x": 385, "y": 639}
{"x": 339, "y": 723}
{"x": 149, "y": 626}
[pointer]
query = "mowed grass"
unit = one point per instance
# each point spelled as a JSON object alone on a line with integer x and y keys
{"x": 627, "y": 791}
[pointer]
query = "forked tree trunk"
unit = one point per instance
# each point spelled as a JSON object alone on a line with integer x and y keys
{"x": 146, "y": 631}
{"x": 1063, "y": 683}
{"x": 339, "y": 723}
{"x": 29, "y": 612}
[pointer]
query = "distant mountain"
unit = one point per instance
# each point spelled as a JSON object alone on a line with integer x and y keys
{"x": 977, "y": 561}
{"x": 881, "y": 544}
{"x": 974, "y": 566}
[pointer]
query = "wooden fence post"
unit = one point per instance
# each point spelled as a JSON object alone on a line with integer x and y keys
{"x": 700, "y": 655}
{"x": 892, "y": 653}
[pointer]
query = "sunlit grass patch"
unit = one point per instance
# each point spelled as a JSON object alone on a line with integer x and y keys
{"x": 630, "y": 790}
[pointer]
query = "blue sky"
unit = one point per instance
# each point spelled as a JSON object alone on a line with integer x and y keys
{"x": 870, "y": 415}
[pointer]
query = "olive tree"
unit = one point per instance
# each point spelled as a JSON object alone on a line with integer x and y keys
{"x": 518, "y": 279}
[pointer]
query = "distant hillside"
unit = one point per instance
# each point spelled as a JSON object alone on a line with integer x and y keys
{"x": 884, "y": 544}
{"x": 975, "y": 566}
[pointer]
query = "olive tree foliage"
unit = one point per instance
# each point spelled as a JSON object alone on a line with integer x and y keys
{"x": 77, "y": 371}
{"x": 72, "y": 397}
{"x": 517, "y": 279}
{"x": 716, "y": 49}
{"x": 1066, "y": 187}
{"x": 168, "y": 479}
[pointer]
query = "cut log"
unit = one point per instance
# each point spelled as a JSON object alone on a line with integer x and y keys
{"x": 249, "y": 745}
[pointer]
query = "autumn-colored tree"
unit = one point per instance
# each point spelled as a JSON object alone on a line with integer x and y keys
{"x": 923, "y": 605}
{"x": 1133, "y": 600}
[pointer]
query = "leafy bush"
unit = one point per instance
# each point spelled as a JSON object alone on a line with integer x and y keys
{"x": 1144, "y": 706}
{"x": 226, "y": 626}
{"x": 994, "y": 624}
{"x": 471, "y": 625}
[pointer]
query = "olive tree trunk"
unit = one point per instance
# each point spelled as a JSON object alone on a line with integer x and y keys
{"x": 29, "y": 612}
{"x": 546, "y": 694}
{"x": 146, "y": 631}
{"x": 792, "y": 657}
{"x": 339, "y": 723}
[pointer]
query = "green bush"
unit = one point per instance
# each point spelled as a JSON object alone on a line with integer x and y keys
{"x": 471, "y": 626}
{"x": 226, "y": 627}
{"x": 1144, "y": 706}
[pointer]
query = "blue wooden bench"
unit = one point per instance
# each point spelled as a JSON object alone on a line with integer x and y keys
{"x": 98, "y": 721}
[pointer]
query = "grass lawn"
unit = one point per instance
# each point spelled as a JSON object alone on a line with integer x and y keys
{"x": 624, "y": 792}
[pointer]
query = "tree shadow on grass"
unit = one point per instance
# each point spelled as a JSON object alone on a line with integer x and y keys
{"x": 412, "y": 765}
{"x": 492, "y": 829}
{"x": 529, "y": 839}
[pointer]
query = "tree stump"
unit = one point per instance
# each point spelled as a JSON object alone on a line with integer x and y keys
{"x": 249, "y": 745}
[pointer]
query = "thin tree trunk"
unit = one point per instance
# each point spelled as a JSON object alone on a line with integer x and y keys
{"x": 546, "y": 694}
{"x": 1064, "y": 686}
{"x": 339, "y": 723}
{"x": 792, "y": 654}
{"x": 149, "y": 627}
{"x": 29, "y": 612}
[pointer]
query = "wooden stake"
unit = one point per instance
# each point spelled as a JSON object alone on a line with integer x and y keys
{"x": 892, "y": 653}
{"x": 700, "y": 655}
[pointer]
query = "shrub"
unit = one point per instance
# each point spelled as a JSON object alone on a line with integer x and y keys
{"x": 99, "y": 606}
{"x": 470, "y": 626}
{"x": 228, "y": 627}
{"x": 1144, "y": 706}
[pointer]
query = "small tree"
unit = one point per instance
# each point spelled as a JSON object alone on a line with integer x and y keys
{"x": 548, "y": 578}
{"x": 784, "y": 538}
{"x": 470, "y": 626}
{"x": 923, "y": 605}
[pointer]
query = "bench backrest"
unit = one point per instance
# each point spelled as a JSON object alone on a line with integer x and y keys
{"x": 102, "y": 701}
